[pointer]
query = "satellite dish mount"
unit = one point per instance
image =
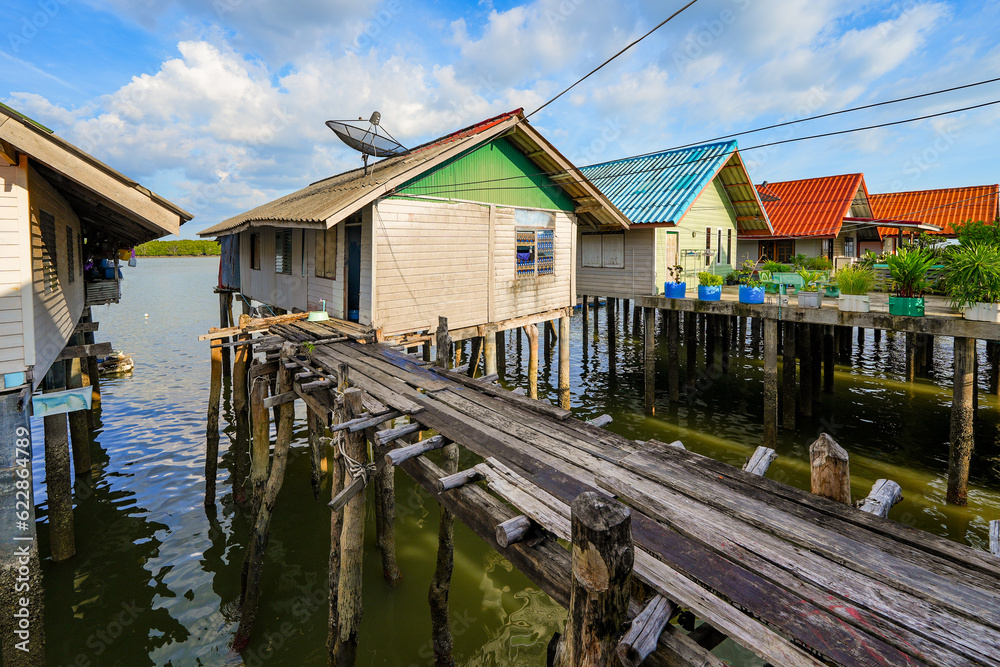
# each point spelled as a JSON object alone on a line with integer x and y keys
{"x": 371, "y": 141}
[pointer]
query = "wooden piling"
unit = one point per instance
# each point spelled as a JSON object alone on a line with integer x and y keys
{"x": 649, "y": 359}
{"x": 636, "y": 313}
{"x": 828, "y": 367}
{"x": 992, "y": 358}
{"x": 260, "y": 439}
{"x": 240, "y": 391}
{"x": 58, "y": 477}
{"x": 804, "y": 345}
{"x": 443, "y": 343}
{"x": 585, "y": 313}
{"x": 884, "y": 494}
{"x": 212, "y": 428}
{"x": 770, "y": 383}
{"x": 337, "y": 484}
{"x": 788, "y": 377}
{"x": 385, "y": 520}
{"x": 727, "y": 341}
{"x": 817, "y": 362}
{"x": 911, "y": 357}
{"x": 601, "y": 582}
{"x": 79, "y": 426}
{"x": 224, "y": 323}
{"x": 711, "y": 325}
{"x": 962, "y": 416}
{"x": 531, "y": 331}
{"x": 426, "y": 350}
{"x": 612, "y": 338}
{"x": 877, "y": 334}
{"x": 673, "y": 363}
{"x": 253, "y": 562}
{"x": 741, "y": 337}
{"x": 93, "y": 371}
{"x": 564, "y": 393}
{"x": 474, "y": 354}
{"x": 830, "y": 470}
{"x": 490, "y": 353}
{"x": 500, "y": 353}
{"x": 691, "y": 350}
{"x": 317, "y": 448}
{"x": 437, "y": 595}
{"x": 756, "y": 324}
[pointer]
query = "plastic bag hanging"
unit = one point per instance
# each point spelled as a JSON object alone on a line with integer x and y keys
{"x": 131, "y": 261}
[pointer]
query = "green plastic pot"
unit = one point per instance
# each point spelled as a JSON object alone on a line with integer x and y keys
{"x": 899, "y": 305}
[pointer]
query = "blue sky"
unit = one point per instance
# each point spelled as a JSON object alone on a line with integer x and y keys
{"x": 219, "y": 104}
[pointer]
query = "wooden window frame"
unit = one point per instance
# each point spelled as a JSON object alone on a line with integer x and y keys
{"x": 770, "y": 249}
{"x": 283, "y": 252}
{"x": 50, "y": 262}
{"x": 617, "y": 237}
{"x": 255, "y": 251}
{"x": 324, "y": 249}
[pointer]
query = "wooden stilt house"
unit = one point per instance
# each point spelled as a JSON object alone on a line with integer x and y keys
{"x": 687, "y": 208}
{"x": 479, "y": 226}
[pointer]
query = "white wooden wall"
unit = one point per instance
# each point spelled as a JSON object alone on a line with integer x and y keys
{"x": 56, "y": 312}
{"x": 636, "y": 278}
{"x": 13, "y": 228}
{"x": 264, "y": 285}
{"x": 324, "y": 288}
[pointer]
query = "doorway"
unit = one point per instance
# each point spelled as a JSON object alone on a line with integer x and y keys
{"x": 352, "y": 266}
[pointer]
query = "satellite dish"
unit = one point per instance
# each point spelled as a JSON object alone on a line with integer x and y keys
{"x": 367, "y": 141}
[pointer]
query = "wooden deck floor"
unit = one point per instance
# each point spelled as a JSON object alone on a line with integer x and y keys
{"x": 795, "y": 578}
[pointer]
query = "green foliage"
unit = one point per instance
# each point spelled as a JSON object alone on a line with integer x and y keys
{"x": 178, "y": 248}
{"x": 675, "y": 272}
{"x": 971, "y": 273}
{"x": 985, "y": 232}
{"x": 747, "y": 276}
{"x": 870, "y": 259}
{"x": 855, "y": 279}
{"x": 732, "y": 278}
{"x": 908, "y": 270}
{"x": 818, "y": 264}
{"x": 772, "y": 266}
{"x": 799, "y": 261}
{"x": 709, "y": 279}
{"x": 809, "y": 280}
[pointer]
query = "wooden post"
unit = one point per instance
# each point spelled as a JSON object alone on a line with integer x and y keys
{"x": 612, "y": 335}
{"x": 443, "y": 343}
{"x": 878, "y": 336}
{"x": 260, "y": 441}
{"x": 830, "y": 468}
{"x": 755, "y": 334}
{"x": 636, "y": 313}
{"x": 911, "y": 357}
{"x": 741, "y": 337}
{"x": 962, "y": 415}
{"x": 352, "y": 539}
{"x": 92, "y": 370}
{"x": 624, "y": 311}
{"x": 475, "y": 354}
{"x": 710, "y": 330}
{"x": 58, "y": 478}
{"x": 253, "y": 562}
{"x": 861, "y": 339}
{"x": 884, "y": 494}
{"x": 649, "y": 357}
{"x": 770, "y": 383}
{"x": 240, "y": 393}
{"x": 992, "y": 357}
{"x": 597, "y": 317}
{"x": 641, "y": 639}
{"x": 546, "y": 346}
{"x": 79, "y": 427}
{"x": 317, "y": 449}
{"x": 224, "y": 323}
{"x": 500, "y": 353}
{"x": 727, "y": 341}
{"x": 828, "y": 368}
{"x": 817, "y": 362}
{"x": 385, "y": 520}
{"x": 531, "y": 331}
{"x": 804, "y": 345}
{"x": 564, "y": 394}
{"x": 691, "y": 350}
{"x": 441, "y": 638}
{"x": 585, "y": 313}
{"x": 673, "y": 362}
{"x": 995, "y": 537}
{"x": 212, "y": 429}
{"x": 490, "y": 353}
{"x": 788, "y": 377}
{"x": 601, "y": 581}
{"x": 337, "y": 476}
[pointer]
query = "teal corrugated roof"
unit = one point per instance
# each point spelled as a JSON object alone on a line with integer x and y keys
{"x": 660, "y": 187}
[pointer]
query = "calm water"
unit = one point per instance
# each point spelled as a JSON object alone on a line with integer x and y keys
{"x": 156, "y": 578}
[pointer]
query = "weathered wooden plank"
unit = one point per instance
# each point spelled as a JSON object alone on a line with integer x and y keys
{"x": 460, "y": 478}
{"x": 388, "y": 435}
{"x": 641, "y": 639}
{"x": 269, "y": 368}
{"x": 83, "y": 351}
{"x": 280, "y": 399}
{"x": 398, "y": 456}
{"x": 995, "y": 537}
{"x": 86, "y": 327}
{"x": 393, "y": 393}
{"x": 366, "y": 420}
{"x": 760, "y": 460}
{"x": 884, "y": 494}
{"x": 508, "y": 396}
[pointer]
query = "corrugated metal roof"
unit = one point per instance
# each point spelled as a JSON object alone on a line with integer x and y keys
{"x": 943, "y": 207}
{"x": 660, "y": 188}
{"x": 812, "y": 206}
{"x": 339, "y": 196}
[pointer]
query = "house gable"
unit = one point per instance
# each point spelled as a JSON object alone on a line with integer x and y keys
{"x": 494, "y": 173}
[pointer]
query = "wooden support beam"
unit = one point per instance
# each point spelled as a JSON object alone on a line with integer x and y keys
{"x": 212, "y": 427}
{"x": 830, "y": 468}
{"x": 443, "y": 343}
{"x": 962, "y": 418}
{"x": 601, "y": 583}
{"x": 58, "y": 477}
{"x": 458, "y": 479}
{"x": 564, "y": 370}
{"x": 366, "y": 421}
{"x": 474, "y": 355}
{"x": 397, "y": 456}
{"x": 437, "y": 595}
{"x": 995, "y": 537}
{"x": 86, "y": 327}
{"x": 770, "y": 383}
{"x": 641, "y": 639}
{"x": 601, "y": 421}
{"x": 490, "y": 353}
{"x": 384, "y": 492}
{"x": 260, "y": 430}
{"x": 513, "y": 530}
{"x": 531, "y": 331}
{"x": 760, "y": 461}
{"x": 79, "y": 426}
{"x": 884, "y": 494}
{"x": 388, "y": 435}
{"x": 280, "y": 399}
{"x": 81, "y": 351}
{"x": 611, "y": 307}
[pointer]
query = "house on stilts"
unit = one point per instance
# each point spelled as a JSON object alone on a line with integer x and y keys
{"x": 478, "y": 226}
{"x": 65, "y": 219}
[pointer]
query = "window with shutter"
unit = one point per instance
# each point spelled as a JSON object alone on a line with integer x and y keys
{"x": 525, "y": 253}
{"x": 255, "y": 251}
{"x": 590, "y": 247}
{"x": 614, "y": 250}
{"x": 50, "y": 273}
{"x": 70, "y": 256}
{"x": 326, "y": 254}
{"x": 545, "y": 245}
{"x": 283, "y": 251}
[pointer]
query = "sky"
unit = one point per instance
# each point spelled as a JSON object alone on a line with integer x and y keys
{"x": 219, "y": 105}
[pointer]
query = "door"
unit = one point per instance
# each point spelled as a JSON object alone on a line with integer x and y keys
{"x": 352, "y": 266}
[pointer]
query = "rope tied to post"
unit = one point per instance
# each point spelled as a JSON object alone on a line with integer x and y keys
{"x": 356, "y": 469}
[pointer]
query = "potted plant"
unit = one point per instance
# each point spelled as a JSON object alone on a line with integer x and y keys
{"x": 908, "y": 271}
{"x": 674, "y": 288}
{"x": 855, "y": 282}
{"x": 971, "y": 278}
{"x": 809, "y": 295}
{"x": 710, "y": 287}
{"x": 751, "y": 287}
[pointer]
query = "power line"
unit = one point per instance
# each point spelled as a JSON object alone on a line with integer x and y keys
{"x": 595, "y": 70}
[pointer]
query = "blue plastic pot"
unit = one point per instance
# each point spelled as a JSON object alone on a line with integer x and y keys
{"x": 751, "y": 294}
{"x": 710, "y": 293}
{"x": 673, "y": 290}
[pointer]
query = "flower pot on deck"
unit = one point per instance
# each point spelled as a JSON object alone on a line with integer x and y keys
{"x": 710, "y": 293}
{"x": 983, "y": 312}
{"x": 906, "y": 306}
{"x": 751, "y": 294}
{"x": 673, "y": 290}
{"x": 854, "y": 303}
{"x": 809, "y": 299}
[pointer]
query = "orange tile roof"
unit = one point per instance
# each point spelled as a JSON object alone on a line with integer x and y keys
{"x": 809, "y": 207}
{"x": 942, "y": 207}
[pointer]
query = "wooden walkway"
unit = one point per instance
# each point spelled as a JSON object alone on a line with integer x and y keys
{"x": 795, "y": 578}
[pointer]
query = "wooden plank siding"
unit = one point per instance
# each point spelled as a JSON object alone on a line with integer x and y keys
{"x": 712, "y": 209}
{"x": 637, "y": 276}
{"x": 319, "y": 289}
{"x": 13, "y": 211}
{"x": 56, "y": 311}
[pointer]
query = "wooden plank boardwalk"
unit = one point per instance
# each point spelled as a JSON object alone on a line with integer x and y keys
{"x": 794, "y": 577}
